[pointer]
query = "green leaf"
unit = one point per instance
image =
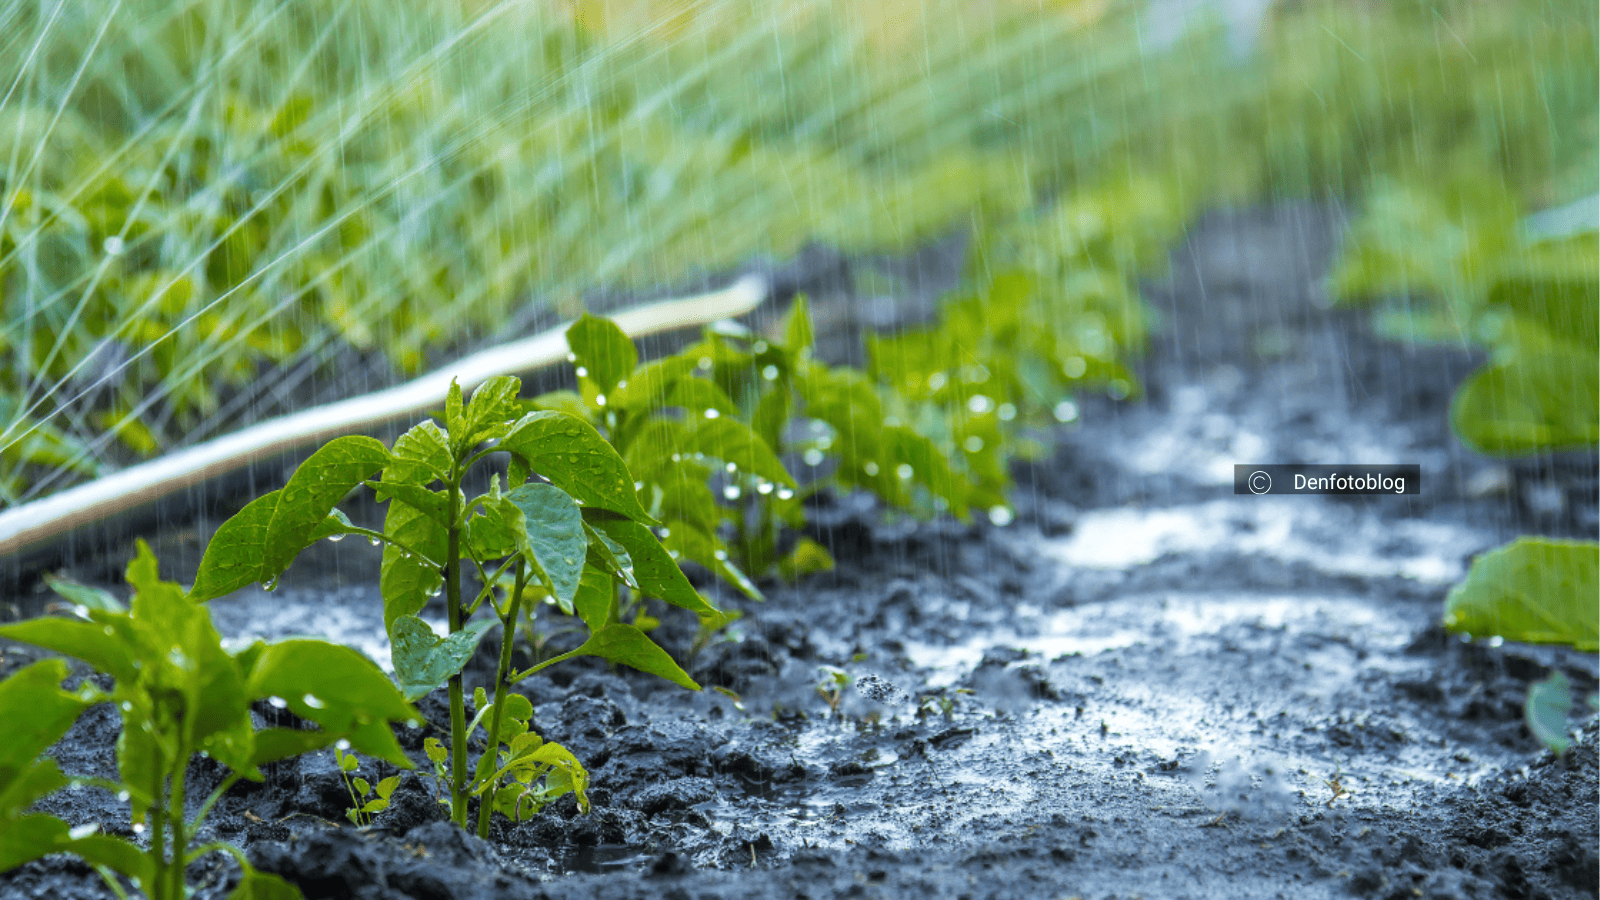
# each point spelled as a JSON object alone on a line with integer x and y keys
{"x": 697, "y": 396}
{"x": 260, "y": 541}
{"x": 1564, "y": 306}
{"x": 798, "y": 334}
{"x": 28, "y": 837}
{"x": 434, "y": 504}
{"x": 551, "y": 536}
{"x": 387, "y": 786}
{"x": 604, "y": 352}
{"x": 405, "y": 580}
{"x": 257, "y": 885}
{"x": 423, "y": 660}
{"x": 628, "y": 646}
{"x": 493, "y": 406}
{"x": 88, "y": 641}
{"x": 362, "y": 786}
{"x": 236, "y": 555}
{"x": 569, "y": 402}
{"x": 592, "y": 602}
{"x": 574, "y": 457}
{"x": 455, "y": 416}
{"x": 340, "y": 690}
{"x": 334, "y": 525}
{"x": 647, "y": 387}
{"x": 693, "y": 543}
{"x": 1546, "y": 709}
{"x": 1535, "y": 590}
{"x": 611, "y": 556}
{"x": 421, "y": 456}
{"x": 320, "y": 482}
{"x": 83, "y": 594}
{"x": 37, "y": 713}
{"x": 808, "y": 557}
{"x": 1535, "y": 402}
{"x": 654, "y": 568}
{"x": 733, "y": 442}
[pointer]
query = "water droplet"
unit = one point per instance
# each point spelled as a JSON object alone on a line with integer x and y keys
{"x": 677, "y": 457}
{"x": 1007, "y": 412}
{"x": 126, "y": 706}
{"x": 973, "y": 444}
{"x": 110, "y": 631}
{"x": 979, "y": 404}
{"x": 705, "y": 363}
{"x": 672, "y": 553}
{"x": 277, "y": 703}
{"x": 572, "y": 357}
{"x": 721, "y": 555}
{"x": 374, "y": 541}
{"x": 663, "y": 532}
{"x": 599, "y": 399}
{"x": 1001, "y": 515}
{"x": 343, "y": 744}
{"x": 335, "y": 538}
{"x": 581, "y": 372}
{"x": 114, "y": 245}
{"x": 937, "y": 380}
{"x": 622, "y": 384}
{"x": 770, "y": 373}
{"x": 905, "y": 471}
{"x": 731, "y": 492}
{"x": 785, "y": 493}
{"x": 1074, "y": 367}
{"x": 313, "y": 701}
{"x": 871, "y": 468}
{"x": 1066, "y": 411}
{"x": 760, "y": 347}
{"x": 1496, "y": 641}
{"x": 81, "y": 611}
{"x": 764, "y": 488}
{"x": 974, "y": 374}
{"x": 436, "y": 591}
{"x": 712, "y": 414}
{"x": 138, "y": 828}
{"x": 731, "y": 468}
{"x": 413, "y": 723}
{"x": 271, "y": 584}
{"x": 123, "y": 796}
{"x": 825, "y": 442}
{"x": 638, "y": 485}
{"x": 812, "y": 457}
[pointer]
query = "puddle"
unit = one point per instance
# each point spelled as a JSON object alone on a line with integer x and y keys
{"x": 1336, "y": 539}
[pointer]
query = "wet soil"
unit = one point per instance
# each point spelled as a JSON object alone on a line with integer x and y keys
{"x": 1144, "y": 686}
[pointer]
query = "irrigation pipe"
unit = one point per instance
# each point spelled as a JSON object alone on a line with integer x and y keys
{"x": 33, "y": 523}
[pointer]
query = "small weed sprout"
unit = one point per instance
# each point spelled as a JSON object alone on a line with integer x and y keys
{"x": 362, "y": 808}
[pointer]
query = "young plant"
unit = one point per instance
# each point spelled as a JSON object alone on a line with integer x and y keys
{"x": 181, "y": 696}
{"x": 362, "y": 809}
{"x": 567, "y": 529}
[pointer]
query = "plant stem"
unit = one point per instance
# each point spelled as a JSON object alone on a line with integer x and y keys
{"x": 157, "y": 814}
{"x": 458, "y": 707}
{"x": 180, "y": 838}
{"x": 507, "y": 633}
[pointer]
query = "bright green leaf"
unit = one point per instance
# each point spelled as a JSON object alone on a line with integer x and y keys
{"x": 1535, "y": 590}
{"x": 574, "y": 457}
{"x": 654, "y": 568}
{"x": 423, "y": 660}
{"x": 1548, "y": 704}
{"x": 628, "y": 646}
{"x": 604, "y": 351}
{"x": 1536, "y": 402}
{"x": 552, "y": 536}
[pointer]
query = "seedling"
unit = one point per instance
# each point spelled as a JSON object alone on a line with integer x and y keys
{"x": 181, "y": 696}
{"x": 831, "y": 685}
{"x": 362, "y": 808}
{"x": 567, "y": 528}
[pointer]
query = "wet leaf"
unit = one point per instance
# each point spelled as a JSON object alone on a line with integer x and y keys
{"x": 1535, "y": 590}
{"x": 1535, "y": 402}
{"x": 83, "y": 594}
{"x": 628, "y": 646}
{"x": 603, "y": 351}
{"x": 1546, "y": 709}
{"x": 574, "y": 457}
{"x": 733, "y": 442}
{"x": 406, "y": 580}
{"x": 337, "y": 688}
{"x": 551, "y": 535}
{"x": 423, "y": 660}
{"x": 654, "y": 568}
{"x": 493, "y": 406}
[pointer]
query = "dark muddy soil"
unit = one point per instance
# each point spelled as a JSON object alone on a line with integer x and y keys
{"x": 1144, "y": 686}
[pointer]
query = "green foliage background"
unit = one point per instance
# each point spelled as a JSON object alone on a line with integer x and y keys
{"x": 201, "y": 200}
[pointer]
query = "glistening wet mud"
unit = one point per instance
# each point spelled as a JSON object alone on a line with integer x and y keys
{"x": 1144, "y": 686}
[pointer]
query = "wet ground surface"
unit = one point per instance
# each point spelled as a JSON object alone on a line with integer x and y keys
{"x": 1145, "y": 686}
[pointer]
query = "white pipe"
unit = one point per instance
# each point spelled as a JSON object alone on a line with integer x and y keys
{"x": 32, "y": 523}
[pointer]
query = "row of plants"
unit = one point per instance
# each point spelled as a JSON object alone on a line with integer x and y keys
{"x": 596, "y": 497}
{"x": 1457, "y": 264}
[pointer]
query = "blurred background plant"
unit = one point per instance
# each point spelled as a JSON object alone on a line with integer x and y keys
{"x": 205, "y": 204}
